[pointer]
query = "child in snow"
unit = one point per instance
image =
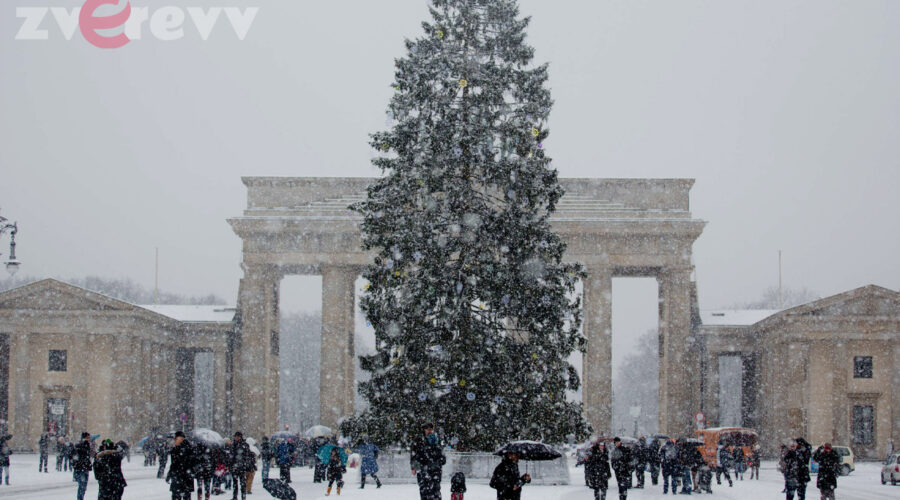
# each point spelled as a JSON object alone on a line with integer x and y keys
{"x": 457, "y": 486}
{"x": 336, "y": 472}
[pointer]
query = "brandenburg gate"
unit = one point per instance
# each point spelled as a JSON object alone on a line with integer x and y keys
{"x": 614, "y": 227}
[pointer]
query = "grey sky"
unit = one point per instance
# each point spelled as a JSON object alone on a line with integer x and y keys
{"x": 786, "y": 113}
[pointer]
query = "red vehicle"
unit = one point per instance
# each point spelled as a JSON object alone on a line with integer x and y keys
{"x": 727, "y": 436}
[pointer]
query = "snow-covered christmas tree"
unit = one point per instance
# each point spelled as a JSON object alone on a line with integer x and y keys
{"x": 475, "y": 315}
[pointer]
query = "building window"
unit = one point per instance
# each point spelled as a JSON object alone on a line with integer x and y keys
{"x": 864, "y": 425}
{"x": 57, "y": 360}
{"x": 862, "y": 367}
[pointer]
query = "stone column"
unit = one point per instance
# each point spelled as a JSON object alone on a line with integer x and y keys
{"x": 219, "y": 398}
{"x": 678, "y": 370}
{"x": 597, "y": 365}
{"x": 20, "y": 390}
{"x": 256, "y": 356}
{"x": 337, "y": 385}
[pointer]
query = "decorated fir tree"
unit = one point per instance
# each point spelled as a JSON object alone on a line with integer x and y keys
{"x": 472, "y": 307}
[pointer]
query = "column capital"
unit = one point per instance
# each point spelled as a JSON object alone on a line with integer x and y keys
{"x": 675, "y": 273}
{"x": 262, "y": 272}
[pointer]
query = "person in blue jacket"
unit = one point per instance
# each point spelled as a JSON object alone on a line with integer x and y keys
{"x": 285, "y": 452}
{"x": 368, "y": 453}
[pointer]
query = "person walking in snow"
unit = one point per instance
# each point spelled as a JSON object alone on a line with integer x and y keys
{"x": 804, "y": 450}
{"x": 792, "y": 471}
{"x": 723, "y": 463}
{"x": 204, "y": 470}
{"x": 640, "y": 458}
{"x": 242, "y": 462}
{"x": 67, "y": 454}
{"x": 457, "y": 486}
{"x": 162, "y": 450}
{"x": 668, "y": 457}
{"x": 285, "y": 451}
{"x": 754, "y": 462}
{"x": 108, "y": 471}
{"x": 335, "y": 471}
{"x": 265, "y": 454}
{"x": 620, "y": 460}
{"x": 829, "y": 467}
{"x": 368, "y": 454}
{"x": 426, "y": 459}
{"x": 60, "y": 452}
{"x": 739, "y": 461}
{"x": 506, "y": 479}
{"x": 181, "y": 470}
{"x": 81, "y": 463}
{"x": 5, "y": 452}
{"x": 44, "y": 449}
{"x": 596, "y": 470}
{"x": 653, "y": 460}
{"x": 685, "y": 462}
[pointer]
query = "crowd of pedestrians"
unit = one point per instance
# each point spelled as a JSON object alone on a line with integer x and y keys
{"x": 207, "y": 467}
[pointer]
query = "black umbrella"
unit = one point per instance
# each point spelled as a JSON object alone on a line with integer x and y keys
{"x": 529, "y": 450}
{"x": 279, "y": 489}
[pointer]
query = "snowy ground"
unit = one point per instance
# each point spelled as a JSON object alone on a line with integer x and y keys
{"x": 26, "y": 482}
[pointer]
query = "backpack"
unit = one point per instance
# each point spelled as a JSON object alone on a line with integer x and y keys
{"x": 671, "y": 453}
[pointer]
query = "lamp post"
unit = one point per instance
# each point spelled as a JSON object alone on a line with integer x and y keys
{"x": 12, "y": 264}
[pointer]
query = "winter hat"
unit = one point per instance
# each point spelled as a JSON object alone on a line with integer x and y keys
{"x": 427, "y": 425}
{"x": 238, "y": 434}
{"x": 85, "y": 435}
{"x": 179, "y": 434}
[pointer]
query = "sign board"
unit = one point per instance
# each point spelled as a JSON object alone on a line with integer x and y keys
{"x": 57, "y": 409}
{"x": 635, "y": 411}
{"x": 183, "y": 417}
{"x": 700, "y": 417}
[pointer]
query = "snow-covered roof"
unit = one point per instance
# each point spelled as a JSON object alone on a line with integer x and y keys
{"x": 735, "y": 317}
{"x": 194, "y": 314}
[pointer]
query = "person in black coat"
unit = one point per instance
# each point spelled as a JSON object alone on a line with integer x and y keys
{"x": 108, "y": 471}
{"x": 426, "y": 459}
{"x": 126, "y": 449}
{"x": 335, "y": 471}
{"x": 792, "y": 471}
{"x": 723, "y": 463}
{"x": 804, "y": 452}
{"x": 653, "y": 460}
{"x": 640, "y": 453}
{"x": 668, "y": 458}
{"x": 506, "y": 479}
{"x": 162, "y": 452}
{"x": 597, "y": 471}
{"x": 620, "y": 459}
{"x": 81, "y": 463}
{"x": 181, "y": 470}
{"x": 242, "y": 462}
{"x": 829, "y": 467}
{"x": 44, "y": 448}
{"x": 5, "y": 452}
{"x": 266, "y": 454}
{"x": 204, "y": 469}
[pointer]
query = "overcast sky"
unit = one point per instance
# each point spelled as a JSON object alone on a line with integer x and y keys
{"x": 787, "y": 114}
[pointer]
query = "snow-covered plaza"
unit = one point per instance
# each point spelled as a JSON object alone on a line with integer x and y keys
{"x": 27, "y": 483}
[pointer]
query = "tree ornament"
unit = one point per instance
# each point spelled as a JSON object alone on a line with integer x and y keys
{"x": 439, "y": 34}
{"x": 535, "y": 132}
{"x": 463, "y": 83}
